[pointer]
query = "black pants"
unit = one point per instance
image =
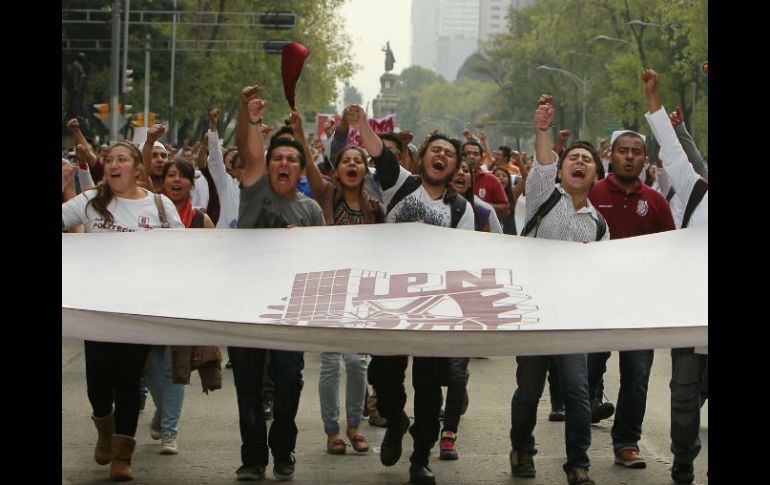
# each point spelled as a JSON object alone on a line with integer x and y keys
{"x": 386, "y": 374}
{"x": 113, "y": 371}
{"x": 455, "y": 392}
{"x": 285, "y": 369}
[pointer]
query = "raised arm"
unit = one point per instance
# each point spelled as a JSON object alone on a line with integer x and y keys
{"x": 384, "y": 160}
{"x": 340, "y": 137}
{"x": 201, "y": 162}
{"x": 561, "y": 140}
{"x": 242, "y": 122}
{"x": 687, "y": 142}
{"x": 484, "y": 138}
{"x": 675, "y": 162}
{"x": 253, "y": 153}
{"x": 544, "y": 116}
{"x": 80, "y": 139}
{"x": 314, "y": 178}
{"x": 153, "y": 134}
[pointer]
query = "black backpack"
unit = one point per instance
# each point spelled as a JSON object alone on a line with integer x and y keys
{"x": 543, "y": 210}
{"x": 456, "y": 202}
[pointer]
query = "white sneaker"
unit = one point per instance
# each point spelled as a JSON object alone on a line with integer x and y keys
{"x": 168, "y": 444}
{"x": 155, "y": 426}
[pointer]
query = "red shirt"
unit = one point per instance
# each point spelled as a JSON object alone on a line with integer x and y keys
{"x": 643, "y": 211}
{"x": 489, "y": 188}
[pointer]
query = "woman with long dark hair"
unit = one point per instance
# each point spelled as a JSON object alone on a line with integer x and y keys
{"x": 113, "y": 370}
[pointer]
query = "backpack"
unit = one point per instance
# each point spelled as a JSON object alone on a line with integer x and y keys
{"x": 698, "y": 191}
{"x": 456, "y": 202}
{"x": 543, "y": 210}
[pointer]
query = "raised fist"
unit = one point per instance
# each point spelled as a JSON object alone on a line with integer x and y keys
{"x": 356, "y": 115}
{"x": 544, "y": 116}
{"x": 155, "y": 132}
{"x": 650, "y": 79}
{"x": 248, "y": 93}
{"x": 256, "y": 109}
{"x": 564, "y": 134}
{"x": 676, "y": 116}
{"x": 73, "y": 125}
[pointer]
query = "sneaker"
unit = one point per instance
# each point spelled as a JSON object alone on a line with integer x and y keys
{"x": 168, "y": 444}
{"x": 522, "y": 464}
{"x": 155, "y": 425}
{"x": 601, "y": 410}
{"x": 629, "y": 458}
{"x": 250, "y": 472}
{"x": 376, "y": 420}
{"x": 284, "y": 470}
{"x": 682, "y": 473}
{"x": 577, "y": 476}
{"x": 447, "y": 446}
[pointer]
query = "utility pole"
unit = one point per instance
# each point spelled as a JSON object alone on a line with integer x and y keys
{"x": 115, "y": 70}
{"x": 147, "y": 82}
{"x": 124, "y": 87}
{"x": 172, "y": 131}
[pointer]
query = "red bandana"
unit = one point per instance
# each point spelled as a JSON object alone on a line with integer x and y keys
{"x": 187, "y": 213}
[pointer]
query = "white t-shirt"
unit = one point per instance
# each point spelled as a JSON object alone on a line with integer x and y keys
{"x": 129, "y": 215}
{"x": 199, "y": 193}
{"x": 420, "y": 206}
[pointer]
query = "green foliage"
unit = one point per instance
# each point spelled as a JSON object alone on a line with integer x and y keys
{"x": 203, "y": 79}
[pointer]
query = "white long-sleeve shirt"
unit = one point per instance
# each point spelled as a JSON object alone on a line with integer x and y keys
{"x": 227, "y": 187}
{"x": 677, "y": 171}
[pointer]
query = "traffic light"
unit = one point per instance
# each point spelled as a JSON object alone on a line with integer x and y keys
{"x": 274, "y": 46}
{"x": 128, "y": 80}
{"x": 277, "y": 20}
{"x": 103, "y": 110}
{"x": 139, "y": 119}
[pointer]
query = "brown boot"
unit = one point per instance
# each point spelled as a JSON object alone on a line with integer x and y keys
{"x": 122, "y": 450}
{"x": 105, "y": 426}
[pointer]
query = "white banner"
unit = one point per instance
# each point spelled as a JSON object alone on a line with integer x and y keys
{"x": 387, "y": 289}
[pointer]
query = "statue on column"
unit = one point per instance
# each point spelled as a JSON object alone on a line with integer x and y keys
{"x": 389, "y": 59}
{"x": 78, "y": 76}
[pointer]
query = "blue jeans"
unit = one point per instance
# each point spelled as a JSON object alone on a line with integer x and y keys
{"x": 285, "y": 369}
{"x": 635, "y": 366}
{"x": 329, "y": 389}
{"x": 530, "y": 381}
{"x": 167, "y": 396}
{"x": 686, "y": 379}
{"x": 455, "y": 392}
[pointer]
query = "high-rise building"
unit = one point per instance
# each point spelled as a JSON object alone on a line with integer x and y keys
{"x": 493, "y": 16}
{"x": 444, "y": 34}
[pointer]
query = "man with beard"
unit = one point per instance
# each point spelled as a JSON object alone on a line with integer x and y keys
{"x": 631, "y": 208}
{"x": 410, "y": 198}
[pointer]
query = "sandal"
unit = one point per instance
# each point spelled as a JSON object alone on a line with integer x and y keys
{"x": 336, "y": 447}
{"x": 359, "y": 443}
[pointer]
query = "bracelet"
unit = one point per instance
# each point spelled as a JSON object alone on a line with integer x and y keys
{"x": 255, "y": 123}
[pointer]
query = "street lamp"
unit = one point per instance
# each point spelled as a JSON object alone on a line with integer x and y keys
{"x": 646, "y": 24}
{"x": 611, "y": 39}
{"x": 581, "y": 82}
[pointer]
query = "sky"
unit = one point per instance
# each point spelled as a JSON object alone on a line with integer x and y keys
{"x": 370, "y": 24}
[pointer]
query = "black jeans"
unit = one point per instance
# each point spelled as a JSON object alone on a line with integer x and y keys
{"x": 455, "y": 392}
{"x": 285, "y": 369}
{"x": 113, "y": 371}
{"x": 386, "y": 374}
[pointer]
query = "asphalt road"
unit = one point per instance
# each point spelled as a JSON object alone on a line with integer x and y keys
{"x": 209, "y": 441}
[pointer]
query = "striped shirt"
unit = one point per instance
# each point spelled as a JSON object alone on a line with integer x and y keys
{"x": 562, "y": 222}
